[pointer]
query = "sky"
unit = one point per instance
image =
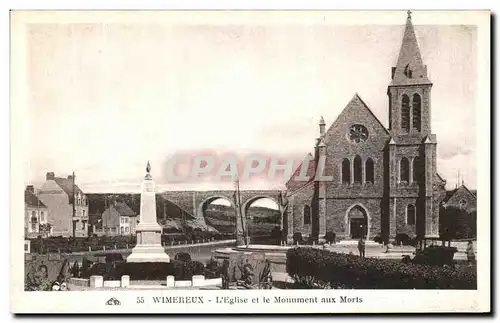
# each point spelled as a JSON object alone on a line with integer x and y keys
{"x": 106, "y": 98}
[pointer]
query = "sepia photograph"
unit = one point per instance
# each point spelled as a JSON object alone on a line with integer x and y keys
{"x": 268, "y": 153}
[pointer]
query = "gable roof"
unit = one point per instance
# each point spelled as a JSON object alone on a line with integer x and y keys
{"x": 357, "y": 99}
{"x": 32, "y": 200}
{"x": 123, "y": 209}
{"x": 449, "y": 194}
{"x": 67, "y": 186}
{"x": 293, "y": 185}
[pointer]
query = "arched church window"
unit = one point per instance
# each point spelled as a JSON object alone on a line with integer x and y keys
{"x": 307, "y": 214}
{"x": 369, "y": 171}
{"x": 405, "y": 113}
{"x": 410, "y": 214}
{"x": 417, "y": 171}
{"x": 357, "y": 169}
{"x": 416, "y": 112}
{"x": 404, "y": 170}
{"x": 346, "y": 171}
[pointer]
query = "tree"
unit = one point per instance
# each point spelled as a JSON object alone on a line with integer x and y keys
{"x": 457, "y": 223}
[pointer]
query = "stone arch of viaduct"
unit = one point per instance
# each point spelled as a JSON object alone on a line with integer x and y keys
{"x": 194, "y": 202}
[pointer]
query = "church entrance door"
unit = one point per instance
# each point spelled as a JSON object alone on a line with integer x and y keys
{"x": 358, "y": 224}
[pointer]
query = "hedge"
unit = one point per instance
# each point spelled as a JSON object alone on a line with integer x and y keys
{"x": 315, "y": 268}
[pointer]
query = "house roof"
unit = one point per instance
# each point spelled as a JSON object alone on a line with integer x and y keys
{"x": 67, "y": 185}
{"x": 123, "y": 209}
{"x": 32, "y": 200}
{"x": 449, "y": 194}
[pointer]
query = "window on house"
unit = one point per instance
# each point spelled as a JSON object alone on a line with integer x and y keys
{"x": 126, "y": 230}
{"x": 404, "y": 170}
{"x": 122, "y": 229}
{"x": 416, "y": 112}
{"x": 83, "y": 225}
{"x": 463, "y": 203}
{"x": 358, "y": 169}
{"x": 83, "y": 213}
{"x": 410, "y": 214}
{"x": 33, "y": 217}
{"x": 417, "y": 171}
{"x": 42, "y": 216}
{"x": 307, "y": 214}
{"x": 346, "y": 171}
{"x": 126, "y": 220}
{"x": 369, "y": 171}
{"x": 33, "y": 227}
{"x": 405, "y": 113}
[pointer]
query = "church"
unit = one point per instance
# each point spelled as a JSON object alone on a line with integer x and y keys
{"x": 385, "y": 180}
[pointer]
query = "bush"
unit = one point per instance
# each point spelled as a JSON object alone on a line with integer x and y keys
{"x": 330, "y": 237}
{"x": 297, "y": 237}
{"x": 183, "y": 256}
{"x": 191, "y": 268}
{"x": 114, "y": 257}
{"x": 436, "y": 256}
{"x": 402, "y": 238}
{"x": 315, "y": 268}
{"x": 146, "y": 270}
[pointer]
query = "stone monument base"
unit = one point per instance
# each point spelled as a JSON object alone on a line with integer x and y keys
{"x": 148, "y": 248}
{"x": 148, "y": 253}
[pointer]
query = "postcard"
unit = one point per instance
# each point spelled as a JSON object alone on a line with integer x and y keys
{"x": 250, "y": 162}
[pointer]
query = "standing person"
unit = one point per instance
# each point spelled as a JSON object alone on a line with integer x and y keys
{"x": 361, "y": 247}
{"x": 225, "y": 274}
{"x": 471, "y": 255}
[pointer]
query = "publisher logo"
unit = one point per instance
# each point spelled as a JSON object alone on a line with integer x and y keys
{"x": 113, "y": 301}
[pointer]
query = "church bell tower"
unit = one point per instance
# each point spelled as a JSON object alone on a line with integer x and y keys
{"x": 412, "y": 147}
{"x": 409, "y": 91}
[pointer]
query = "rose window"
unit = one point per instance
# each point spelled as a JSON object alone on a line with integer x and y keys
{"x": 358, "y": 133}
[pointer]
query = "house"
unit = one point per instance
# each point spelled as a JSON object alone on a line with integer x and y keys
{"x": 119, "y": 219}
{"x": 36, "y": 214}
{"x": 383, "y": 181}
{"x": 461, "y": 198}
{"x": 67, "y": 205}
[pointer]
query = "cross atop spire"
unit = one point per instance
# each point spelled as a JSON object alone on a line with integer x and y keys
{"x": 409, "y": 69}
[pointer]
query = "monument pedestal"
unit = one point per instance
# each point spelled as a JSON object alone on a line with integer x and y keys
{"x": 148, "y": 248}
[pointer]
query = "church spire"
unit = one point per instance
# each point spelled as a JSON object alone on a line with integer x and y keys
{"x": 409, "y": 68}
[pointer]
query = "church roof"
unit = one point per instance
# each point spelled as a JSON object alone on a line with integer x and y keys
{"x": 293, "y": 185}
{"x": 355, "y": 98}
{"x": 410, "y": 68}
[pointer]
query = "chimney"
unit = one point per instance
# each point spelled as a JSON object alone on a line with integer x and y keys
{"x": 30, "y": 188}
{"x": 50, "y": 176}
